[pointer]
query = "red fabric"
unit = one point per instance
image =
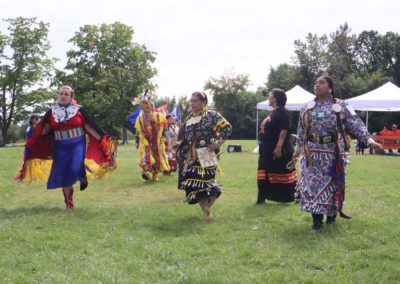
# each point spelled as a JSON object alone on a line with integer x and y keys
{"x": 162, "y": 109}
{"x": 261, "y": 175}
{"x": 283, "y": 178}
{"x": 150, "y": 130}
{"x": 386, "y": 132}
{"x": 172, "y": 165}
{"x": 39, "y": 147}
{"x": 98, "y": 150}
{"x": 389, "y": 132}
{"x": 93, "y": 151}
{"x": 73, "y": 122}
{"x": 388, "y": 141}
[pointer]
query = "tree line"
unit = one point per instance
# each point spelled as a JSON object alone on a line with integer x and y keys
{"x": 108, "y": 69}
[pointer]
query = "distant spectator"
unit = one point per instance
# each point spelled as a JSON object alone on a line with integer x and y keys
{"x": 360, "y": 147}
{"x": 394, "y": 131}
{"x": 384, "y": 131}
{"x": 33, "y": 120}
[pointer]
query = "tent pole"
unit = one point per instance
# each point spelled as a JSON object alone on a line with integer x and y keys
{"x": 366, "y": 124}
{"x": 257, "y": 125}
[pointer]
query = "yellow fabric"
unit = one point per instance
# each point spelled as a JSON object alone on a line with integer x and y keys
{"x": 37, "y": 170}
{"x": 94, "y": 170}
{"x": 221, "y": 124}
{"x": 160, "y": 122}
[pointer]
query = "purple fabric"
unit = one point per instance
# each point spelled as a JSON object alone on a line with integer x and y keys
{"x": 322, "y": 184}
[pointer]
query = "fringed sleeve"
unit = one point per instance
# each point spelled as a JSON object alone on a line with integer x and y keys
{"x": 222, "y": 126}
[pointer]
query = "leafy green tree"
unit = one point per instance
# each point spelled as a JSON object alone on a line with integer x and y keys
{"x": 235, "y": 103}
{"x": 226, "y": 90}
{"x": 391, "y": 56}
{"x": 311, "y": 59}
{"x": 108, "y": 70}
{"x": 284, "y": 76}
{"x": 368, "y": 52}
{"x": 357, "y": 64}
{"x": 24, "y": 69}
{"x": 342, "y": 62}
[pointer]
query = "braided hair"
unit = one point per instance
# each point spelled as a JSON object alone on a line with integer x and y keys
{"x": 330, "y": 84}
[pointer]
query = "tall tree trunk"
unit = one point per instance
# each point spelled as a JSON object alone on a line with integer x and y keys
{"x": 124, "y": 135}
{"x": 4, "y": 135}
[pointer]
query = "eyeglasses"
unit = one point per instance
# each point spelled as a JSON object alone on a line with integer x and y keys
{"x": 195, "y": 101}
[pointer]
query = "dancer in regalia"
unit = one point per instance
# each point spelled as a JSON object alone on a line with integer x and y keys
{"x": 152, "y": 158}
{"x": 321, "y": 132}
{"x": 171, "y": 135}
{"x": 202, "y": 134}
{"x": 57, "y": 151}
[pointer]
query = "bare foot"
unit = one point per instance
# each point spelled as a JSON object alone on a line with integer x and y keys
{"x": 207, "y": 214}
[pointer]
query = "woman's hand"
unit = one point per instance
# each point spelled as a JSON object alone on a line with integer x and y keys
{"x": 215, "y": 146}
{"x": 46, "y": 129}
{"x": 374, "y": 144}
{"x": 277, "y": 152}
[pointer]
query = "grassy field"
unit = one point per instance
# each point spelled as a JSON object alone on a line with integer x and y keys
{"x": 124, "y": 230}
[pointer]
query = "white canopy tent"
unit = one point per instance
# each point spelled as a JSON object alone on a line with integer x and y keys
{"x": 385, "y": 98}
{"x": 297, "y": 97}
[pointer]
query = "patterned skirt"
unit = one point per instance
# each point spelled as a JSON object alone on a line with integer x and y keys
{"x": 68, "y": 163}
{"x": 199, "y": 183}
{"x": 317, "y": 186}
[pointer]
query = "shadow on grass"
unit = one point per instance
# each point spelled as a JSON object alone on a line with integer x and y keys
{"x": 293, "y": 227}
{"x": 180, "y": 226}
{"x": 268, "y": 209}
{"x": 41, "y": 210}
{"x": 299, "y": 236}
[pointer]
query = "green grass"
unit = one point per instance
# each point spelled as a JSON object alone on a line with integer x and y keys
{"x": 124, "y": 230}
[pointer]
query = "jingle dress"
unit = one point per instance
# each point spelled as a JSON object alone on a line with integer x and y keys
{"x": 198, "y": 131}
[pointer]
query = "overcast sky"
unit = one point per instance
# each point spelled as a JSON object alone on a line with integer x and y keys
{"x": 196, "y": 39}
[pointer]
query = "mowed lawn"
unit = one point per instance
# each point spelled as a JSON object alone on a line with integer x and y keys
{"x": 124, "y": 230}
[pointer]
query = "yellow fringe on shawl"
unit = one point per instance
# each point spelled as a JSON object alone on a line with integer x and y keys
{"x": 36, "y": 170}
{"x": 94, "y": 170}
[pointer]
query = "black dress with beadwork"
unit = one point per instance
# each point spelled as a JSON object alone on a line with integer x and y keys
{"x": 198, "y": 131}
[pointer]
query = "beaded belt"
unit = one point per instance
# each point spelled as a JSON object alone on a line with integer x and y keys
{"x": 68, "y": 134}
{"x": 321, "y": 139}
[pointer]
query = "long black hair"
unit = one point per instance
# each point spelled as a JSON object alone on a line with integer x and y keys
{"x": 330, "y": 84}
{"x": 32, "y": 118}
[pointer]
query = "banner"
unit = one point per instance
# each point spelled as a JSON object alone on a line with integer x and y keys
{"x": 388, "y": 141}
{"x": 176, "y": 113}
{"x": 162, "y": 109}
